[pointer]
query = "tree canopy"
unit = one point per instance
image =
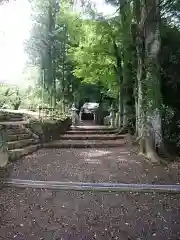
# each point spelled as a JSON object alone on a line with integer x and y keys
{"x": 130, "y": 59}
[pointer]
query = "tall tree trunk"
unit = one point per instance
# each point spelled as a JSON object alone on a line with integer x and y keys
{"x": 149, "y": 94}
{"x": 134, "y": 72}
{"x": 51, "y": 54}
{"x": 140, "y": 50}
{"x": 50, "y": 65}
{"x": 127, "y": 86}
{"x": 63, "y": 66}
{"x": 118, "y": 54}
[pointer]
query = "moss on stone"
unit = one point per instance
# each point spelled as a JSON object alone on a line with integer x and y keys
{"x": 49, "y": 129}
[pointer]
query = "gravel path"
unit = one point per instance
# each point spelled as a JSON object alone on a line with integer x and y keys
{"x": 48, "y": 215}
{"x": 93, "y": 165}
{"x": 41, "y": 214}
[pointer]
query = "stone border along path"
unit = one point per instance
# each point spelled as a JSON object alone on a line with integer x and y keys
{"x": 100, "y": 187}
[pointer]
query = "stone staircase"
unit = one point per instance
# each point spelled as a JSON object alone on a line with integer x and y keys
{"x": 88, "y": 137}
{"x": 20, "y": 140}
{"x": 7, "y": 116}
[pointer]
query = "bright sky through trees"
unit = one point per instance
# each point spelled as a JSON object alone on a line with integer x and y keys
{"x": 15, "y": 25}
{"x": 101, "y": 7}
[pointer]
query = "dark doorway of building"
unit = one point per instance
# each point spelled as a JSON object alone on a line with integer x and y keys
{"x": 87, "y": 116}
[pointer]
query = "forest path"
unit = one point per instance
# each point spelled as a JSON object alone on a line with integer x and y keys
{"x": 33, "y": 214}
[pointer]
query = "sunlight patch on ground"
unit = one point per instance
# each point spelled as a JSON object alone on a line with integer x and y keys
{"x": 91, "y": 156}
{"x": 92, "y": 161}
{"x": 123, "y": 160}
{"x": 124, "y": 152}
{"x": 120, "y": 159}
{"x": 94, "y": 153}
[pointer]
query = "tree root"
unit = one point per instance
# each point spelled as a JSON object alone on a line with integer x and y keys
{"x": 123, "y": 130}
{"x": 151, "y": 154}
{"x": 3, "y": 160}
{"x": 4, "y": 173}
{"x": 163, "y": 153}
{"x": 146, "y": 149}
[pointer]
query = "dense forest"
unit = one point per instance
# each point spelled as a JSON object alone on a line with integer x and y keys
{"x": 129, "y": 59}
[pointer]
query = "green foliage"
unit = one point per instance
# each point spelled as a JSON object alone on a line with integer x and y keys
{"x": 89, "y": 45}
{"x": 48, "y": 48}
{"x": 94, "y": 57}
{"x": 15, "y": 98}
{"x": 10, "y": 97}
{"x": 170, "y": 82}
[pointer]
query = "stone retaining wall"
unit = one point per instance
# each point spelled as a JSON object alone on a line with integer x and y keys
{"x": 49, "y": 129}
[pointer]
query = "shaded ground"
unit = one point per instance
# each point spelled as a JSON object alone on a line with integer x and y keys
{"x": 35, "y": 214}
{"x": 93, "y": 165}
{"x": 43, "y": 214}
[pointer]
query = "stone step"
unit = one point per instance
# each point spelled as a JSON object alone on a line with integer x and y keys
{"x": 15, "y": 119}
{"x": 12, "y": 117}
{"x": 15, "y": 154}
{"x": 20, "y": 143}
{"x": 91, "y": 137}
{"x": 12, "y": 126}
{"x": 98, "y": 132}
{"x": 18, "y": 136}
{"x": 16, "y": 131}
{"x": 93, "y": 128}
{"x": 15, "y": 124}
{"x": 85, "y": 143}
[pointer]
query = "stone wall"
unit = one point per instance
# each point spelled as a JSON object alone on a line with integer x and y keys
{"x": 49, "y": 129}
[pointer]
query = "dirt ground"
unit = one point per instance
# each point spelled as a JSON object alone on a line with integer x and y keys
{"x": 50, "y": 215}
{"x": 41, "y": 214}
{"x": 93, "y": 165}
